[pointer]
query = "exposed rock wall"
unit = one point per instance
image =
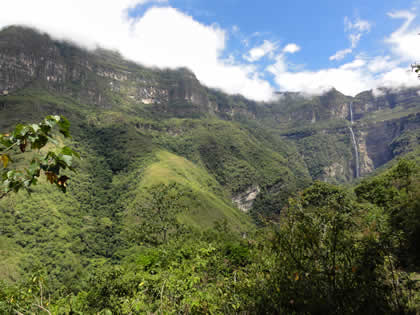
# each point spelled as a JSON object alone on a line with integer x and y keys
{"x": 91, "y": 76}
{"x": 105, "y": 79}
{"x": 376, "y": 139}
{"x": 366, "y": 163}
{"x": 245, "y": 200}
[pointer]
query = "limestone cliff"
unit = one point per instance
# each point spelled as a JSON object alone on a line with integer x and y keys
{"x": 316, "y": 128}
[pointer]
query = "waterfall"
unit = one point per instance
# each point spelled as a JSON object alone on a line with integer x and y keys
{"x": 356, "y": 150}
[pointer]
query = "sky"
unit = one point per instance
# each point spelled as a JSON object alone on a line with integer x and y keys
{"x": 253, "y": 48}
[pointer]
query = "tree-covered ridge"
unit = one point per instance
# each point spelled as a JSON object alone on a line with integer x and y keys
{"x": 332, "y": 252}
{"x": 237, "y": 156}
{"x": 315, "y": 128}
{"x": 150, "y": 221}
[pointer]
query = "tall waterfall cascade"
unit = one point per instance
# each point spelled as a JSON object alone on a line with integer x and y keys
{"x": 353, "y": 138}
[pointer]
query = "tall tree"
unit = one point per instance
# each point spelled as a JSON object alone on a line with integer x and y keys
{"x": 154, "y": 217}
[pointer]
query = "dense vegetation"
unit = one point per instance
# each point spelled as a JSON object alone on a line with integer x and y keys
{"x": 333, "y": 252}
{"x": 149, "y": 223}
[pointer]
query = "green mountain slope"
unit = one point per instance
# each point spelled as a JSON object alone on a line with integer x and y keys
{"x": 206, "y": 202}
{"x": 301, "y": 136}
{"x": 136, "y": 126}
{"x": 125, "y": 145}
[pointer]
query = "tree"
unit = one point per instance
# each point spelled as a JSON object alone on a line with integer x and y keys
{"x": 154, "y": 217}
{"x": 397, "y": 191}
{"x": 26, "y": 154}
{"x": 329, "y": 257}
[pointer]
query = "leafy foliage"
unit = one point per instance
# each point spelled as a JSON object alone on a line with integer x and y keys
{"x": 32, "y": 139}
{"x": 155, "y": 218}
{"x": 328, "y": 256}
{"x": 397, "y": 192}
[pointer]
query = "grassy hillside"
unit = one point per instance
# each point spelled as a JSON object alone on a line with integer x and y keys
{"x": 207, "y": 202}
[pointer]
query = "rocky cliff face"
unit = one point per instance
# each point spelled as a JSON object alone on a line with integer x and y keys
{"x": 28, "y": 58}
{"x": 245, "y": 200}
{"x": 377, "y": 136}
{"x": 378, "y": 121}
{"x": 317, "y": 126}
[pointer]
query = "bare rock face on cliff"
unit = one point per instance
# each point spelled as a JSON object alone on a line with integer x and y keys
{"x": 342, "y": 137}
{"x": 28, "y": 58}
{"x": 255, "y": 151}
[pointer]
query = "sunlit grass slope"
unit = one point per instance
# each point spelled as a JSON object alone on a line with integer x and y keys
{"x": 207, "y": 203}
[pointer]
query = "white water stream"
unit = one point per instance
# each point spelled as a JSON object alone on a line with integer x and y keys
{"x": 356, "y": 150}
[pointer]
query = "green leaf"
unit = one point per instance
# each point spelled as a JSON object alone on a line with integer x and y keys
{"x": 53, "y": 141}
{"x": 45, "y": 128}
{"x": 40, "y": 142}
{"x": 35, "y": 127}
{"x": 51, "y": 162}
{"x": 20, "y": 130}
{"x": 68, "y": 159}
{"x": 34, "y": 168}
{"x": 69, "y": 151}
{"x": 64, "y": 127}
{"x": 66, "y": 151}
{"x": 51, "y": 121}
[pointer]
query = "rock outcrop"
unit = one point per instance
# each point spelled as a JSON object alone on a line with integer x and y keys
{"x": 245, "y": 200}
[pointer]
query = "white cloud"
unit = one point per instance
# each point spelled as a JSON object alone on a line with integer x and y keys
{"x": 405, "y": 41}
{"x": 377, "y": 92}
{"x": 348, "y": 79}
{"x": 182, "y": 41}
{"x": 358, "y": 25}
{"x": 279, "y": 66}
{"x": 363, "y": 72}
{"x": 382, "y": 63}
{"x": 354, "y": 39}
{"x": 166, "y": 37}
{"x": 341, "y": 54}
{"x": 355, "y": 64}
{"x": 357, "y": 29}
{"x": 291, "y": 48}
{"x": 398, "y": 78}
{"x": 163, "y": 37}
{"x": 256, "y": 53}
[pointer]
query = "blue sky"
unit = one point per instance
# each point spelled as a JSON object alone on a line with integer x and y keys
{"x": 250, "y": 47}
{"x": 318, "y": 28}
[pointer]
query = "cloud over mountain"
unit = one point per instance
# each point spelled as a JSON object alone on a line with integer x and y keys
{"x": 163, "y": 36}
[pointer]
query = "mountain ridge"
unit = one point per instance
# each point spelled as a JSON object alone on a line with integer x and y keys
{"x": 121, "y": 90}
{"x": 236, "y": 162}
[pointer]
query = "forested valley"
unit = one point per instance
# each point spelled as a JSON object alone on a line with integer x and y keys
{"x": 132, "y": 190}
